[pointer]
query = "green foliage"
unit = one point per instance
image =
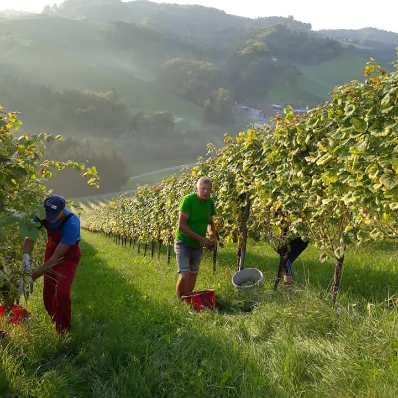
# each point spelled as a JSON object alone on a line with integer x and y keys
{"x": 328, "y": 176}
{"x": 71, "y": 111}
{"x": 302, "y": 48}
{"x": 218, "y": 107}
{"x": 150, "y": 45}
{"x": 269, "y": 56}
{"x": 23, "y": 189}
{"x": 252, "y": 72}
{"x": 129, "y": 56}
{"x": 370, "y": 41}
{"x": 127, "y": 139}
{"x": 102, "y": 154}
{"x": 193, "y": 80}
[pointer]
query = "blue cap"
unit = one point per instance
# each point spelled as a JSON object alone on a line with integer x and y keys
{"x": 53, "y": 205}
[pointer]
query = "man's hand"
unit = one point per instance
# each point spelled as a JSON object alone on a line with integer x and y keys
{"x": 26, "y": 265}
{"x": 204, "y": 242}
{"x": 214, "y": 242}
{"x": 210, "y": 244}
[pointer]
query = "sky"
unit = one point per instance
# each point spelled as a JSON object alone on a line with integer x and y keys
{"x": 334, "y": 14}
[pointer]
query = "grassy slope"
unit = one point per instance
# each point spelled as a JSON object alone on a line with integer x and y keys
{"x": 132, "y": 338}
{"x": 321, "y": 79}
{"x": 316, "y": 82}
{"x": 69, "y": 53}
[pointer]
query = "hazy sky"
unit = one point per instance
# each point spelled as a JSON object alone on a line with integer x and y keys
{"x": 334, "y": 14}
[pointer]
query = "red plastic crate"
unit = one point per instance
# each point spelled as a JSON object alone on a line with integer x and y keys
{"x": 16, "y": 315}
{"x": 201, "y": 300}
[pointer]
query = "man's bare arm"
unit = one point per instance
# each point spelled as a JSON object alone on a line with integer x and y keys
{"x": 211, "y": 229}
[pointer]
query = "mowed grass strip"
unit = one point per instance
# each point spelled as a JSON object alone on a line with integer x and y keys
{"x": 133, "y": 338}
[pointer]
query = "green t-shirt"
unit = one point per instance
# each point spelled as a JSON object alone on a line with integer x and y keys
{"x": 199, "y": 217}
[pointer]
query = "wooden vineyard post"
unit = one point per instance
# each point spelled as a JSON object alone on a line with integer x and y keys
{"x": 159, "y": 248}
{"x": 281, "y": 270}
{"x": 238, "y": 256}
{"x": 168, "y": 252}
{"x": 337, "y": 278}
{"x": 244, "y": 232}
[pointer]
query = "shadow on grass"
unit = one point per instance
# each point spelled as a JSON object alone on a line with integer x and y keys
{"x": 5, "y": 388}
{"x": 365, "y": 277}
{"x": 366, "y": 274}
{"x": 226, "y": 260}
{"x": 125, "y": 343}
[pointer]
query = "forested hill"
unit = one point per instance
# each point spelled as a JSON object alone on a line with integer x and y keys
{"x": 382, "y": 43}
{"x": 191, "y": 21}
{"x": 161, "y": 80}
{"x": 190, "y": 52}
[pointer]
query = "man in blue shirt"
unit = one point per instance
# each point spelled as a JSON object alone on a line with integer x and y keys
{"x": 61, "y": 259}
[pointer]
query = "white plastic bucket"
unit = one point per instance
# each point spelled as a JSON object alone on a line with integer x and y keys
{"x": 241, "y": 278}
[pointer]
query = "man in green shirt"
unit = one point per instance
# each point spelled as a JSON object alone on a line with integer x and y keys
{"x": 195, "y": 219}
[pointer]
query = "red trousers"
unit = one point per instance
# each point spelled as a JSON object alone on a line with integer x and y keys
{"x": 56, "y": 294}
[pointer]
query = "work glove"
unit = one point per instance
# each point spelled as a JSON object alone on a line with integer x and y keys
{"x": 21, "y": 286}
{"x": 20, "y": 289}
{"x": 26, "y": 265}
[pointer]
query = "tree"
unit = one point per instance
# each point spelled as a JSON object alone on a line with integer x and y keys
{"x": 218, "y": 108}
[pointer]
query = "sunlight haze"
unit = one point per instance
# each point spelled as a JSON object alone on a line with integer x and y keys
{"x": 337, "y": 15}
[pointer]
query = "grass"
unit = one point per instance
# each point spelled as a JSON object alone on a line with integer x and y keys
{"x": 291, "y": 95}
{"x": 132, "y": 337}
{"x": 321, "y": 79}
{"x": 316, "y": 82}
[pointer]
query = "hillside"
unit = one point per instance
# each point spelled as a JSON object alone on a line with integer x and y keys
{"x": 74, "y": 55}
{"x": 192, "y": 62}
{"x": 97, "y": 46}
{"x": 375, "y": 42}
{"x": 321, "y": 81}
{"x": 363, "y": 36}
